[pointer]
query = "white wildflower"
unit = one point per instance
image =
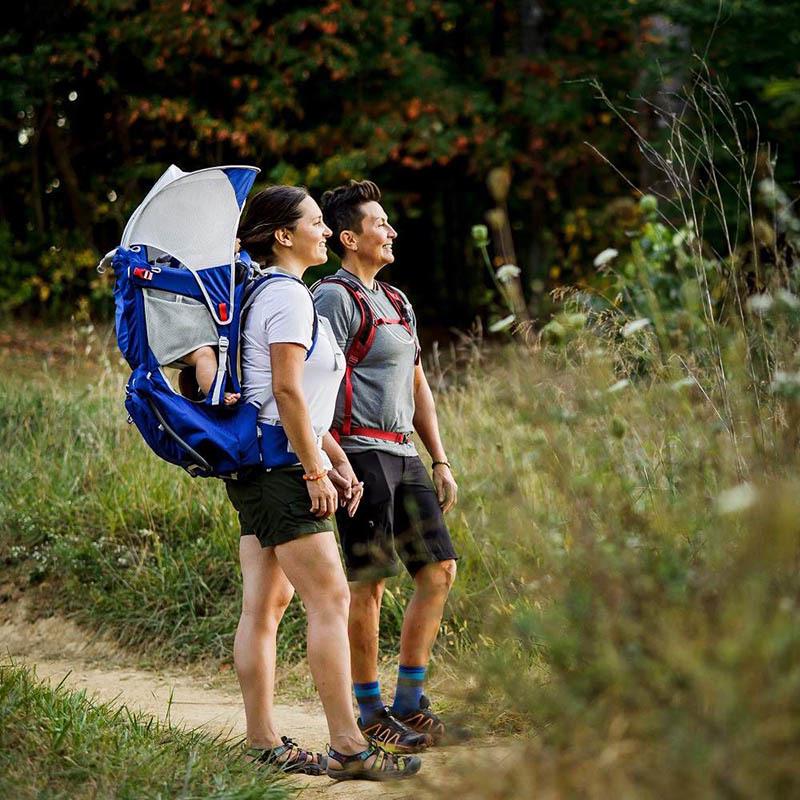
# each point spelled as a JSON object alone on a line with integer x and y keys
{"x": 502, "y": 324}
{"x": 737, "y": 499}
{"x": 618, "y": 386}
{"x": 604, "y": 257}
{"x": 788, "y": 299}
{"x": 760, "y": 303}
{"x": 780, "y": 376}
{"x": 634, "y": 326}
{"x": 785, "y": 382}
{"x": 683, "y": 383}
{"x": 507, "y": 272}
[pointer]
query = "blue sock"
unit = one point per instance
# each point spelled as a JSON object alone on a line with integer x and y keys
{"x": 368, "y": 697}
{"x": 409, "y": 689}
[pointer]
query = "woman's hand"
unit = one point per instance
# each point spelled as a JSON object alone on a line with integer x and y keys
{"x": 323, "y": 497}
{"x": 350, "y": 488}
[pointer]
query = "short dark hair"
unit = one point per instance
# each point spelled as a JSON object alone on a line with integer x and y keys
{"x": 341, "y": 208}
{"x": 271, "y": 209}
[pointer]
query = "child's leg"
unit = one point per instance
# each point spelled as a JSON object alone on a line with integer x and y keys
{"x": 204, "y": 361}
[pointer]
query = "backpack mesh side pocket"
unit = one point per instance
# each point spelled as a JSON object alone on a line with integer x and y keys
{"x": 176, "y": 326}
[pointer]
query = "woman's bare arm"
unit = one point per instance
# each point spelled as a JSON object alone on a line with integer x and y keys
{"x": 288, "y": 362}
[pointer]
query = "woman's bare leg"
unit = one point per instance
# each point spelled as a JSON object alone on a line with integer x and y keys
{"x": 265, "y": 596}
{"x": 313, "y": 566}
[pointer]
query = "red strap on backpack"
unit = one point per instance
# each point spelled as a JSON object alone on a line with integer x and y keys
{"x": 357, "y": 352}
{"x": 373, "y": 433}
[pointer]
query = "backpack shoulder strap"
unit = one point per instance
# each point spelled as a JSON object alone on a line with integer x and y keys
{"x": 365, "y": 333}
{"x": 359, "y": 347}
{"x": 400, "y": 305}
{"x": 259, "y": 284}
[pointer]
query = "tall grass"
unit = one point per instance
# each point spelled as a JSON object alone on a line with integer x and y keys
{"x": 649, "y": 629}
{"x": 126, "y": 542}
{"x": 58, "y": 744}
{"x": 644, "y": 618}
{"x": 130, "y": 544}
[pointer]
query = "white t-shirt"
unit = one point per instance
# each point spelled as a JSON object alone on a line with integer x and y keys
{"x": 284, "y": 312}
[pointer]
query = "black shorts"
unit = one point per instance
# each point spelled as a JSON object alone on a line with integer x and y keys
{"x": 399, "y": 515}
{"x": 275, "y": 506}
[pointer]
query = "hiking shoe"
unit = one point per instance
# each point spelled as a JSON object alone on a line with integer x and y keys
{"x": 390, "y": 735}
{"x": 372, "y": 764}
{"x": 423, "y": 720}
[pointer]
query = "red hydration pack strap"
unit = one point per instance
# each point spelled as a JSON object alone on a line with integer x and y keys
{"x": 373, "y": 433}
{"x": 357, "y": 352}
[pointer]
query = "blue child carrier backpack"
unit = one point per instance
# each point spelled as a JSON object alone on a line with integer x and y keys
{"x": 179, "y": 286}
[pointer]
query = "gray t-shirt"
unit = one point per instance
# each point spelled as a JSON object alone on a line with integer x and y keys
{"x": 383, "y": 382}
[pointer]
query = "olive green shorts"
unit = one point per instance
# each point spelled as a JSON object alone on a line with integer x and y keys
{"x": 274, "y": 506}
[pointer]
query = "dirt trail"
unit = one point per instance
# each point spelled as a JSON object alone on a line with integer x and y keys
{"x": 61, "y": 652}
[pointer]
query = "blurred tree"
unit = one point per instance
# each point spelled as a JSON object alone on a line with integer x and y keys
{"x": 424, "y": 96}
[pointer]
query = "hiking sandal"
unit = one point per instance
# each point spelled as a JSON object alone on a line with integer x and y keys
{"x": 297, "y": 761}
{"x": 384, "y": 767}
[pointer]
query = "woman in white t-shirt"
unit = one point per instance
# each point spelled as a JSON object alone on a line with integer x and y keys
{"x": 285, "y": 512}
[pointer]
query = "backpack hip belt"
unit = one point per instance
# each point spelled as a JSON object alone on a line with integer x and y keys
{"x": 372, "y": 433}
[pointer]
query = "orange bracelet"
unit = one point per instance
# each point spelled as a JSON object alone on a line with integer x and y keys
{"x": 316, "y": 476}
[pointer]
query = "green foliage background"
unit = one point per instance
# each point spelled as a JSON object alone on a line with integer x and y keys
{"x": 424, "y": 96}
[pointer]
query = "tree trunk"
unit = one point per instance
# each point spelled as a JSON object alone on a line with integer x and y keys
{"x": 533, "y": 46}
{"x": 531, "y": 15}
{"x": 61, "y": 155}
{"x": 120, "y": 117}
{"x": 36, "y": 181}
{"x": 659, "y": 102}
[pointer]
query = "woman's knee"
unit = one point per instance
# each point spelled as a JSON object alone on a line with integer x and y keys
{"x": 331, "y": 599}
{"x": 367, "y": 593}
{"x": 437, "y": 577}
{"x": 267, "y": 611}
{"x": 339, "y": 595}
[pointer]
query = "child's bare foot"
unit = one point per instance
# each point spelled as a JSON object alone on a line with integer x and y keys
{"x": 230, "y": 398}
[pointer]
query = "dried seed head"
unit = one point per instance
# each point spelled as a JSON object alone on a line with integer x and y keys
{"x": 499, "y": 182}
{"x": 496, "y": 217}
